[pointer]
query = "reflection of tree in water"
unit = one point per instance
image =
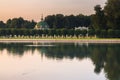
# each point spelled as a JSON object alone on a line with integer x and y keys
{"x": 58, "y": 51}
{"x": 15, "y": 48}
{"x": 112, "y": 67}
{"x": 61, "y": 51}
{"x": 107, "y": 57}
{"x": 98, "y": 54}
{"x": 103, "y": 56}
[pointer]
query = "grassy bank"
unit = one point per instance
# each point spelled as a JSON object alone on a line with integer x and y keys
{"x": 67, "y": 40}
{"x": 58, "y": 38}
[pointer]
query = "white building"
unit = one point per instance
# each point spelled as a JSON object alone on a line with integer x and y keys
{"x": 81, "y": 28}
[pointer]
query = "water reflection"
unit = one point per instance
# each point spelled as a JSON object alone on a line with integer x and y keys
{"x": 103, "y": 56}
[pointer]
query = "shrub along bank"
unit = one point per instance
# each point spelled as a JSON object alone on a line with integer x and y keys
{"x": 60, "y": 33}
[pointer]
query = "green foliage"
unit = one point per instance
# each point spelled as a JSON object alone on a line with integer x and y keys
{"x": 112, "y": 11}
{"x": 97, "y": 32}
{"x": 91, "y": 32}
{"x": 64, "y": 32}
{"x": 45, "y": 32}
{"x": 71, "y": 32}
{"x": 69, "y": 22}
{"x": 58, "y": 32}
{"x": 103, "y": 34}
{"x": 52, "y": 32}
{"x": 78, "y": 33}
{"x": 40, "y": 32}
{"x": 20, "y": 23}
{"x": 84, "y": 33}
{"x": 117, "y": 33}
{"x": 107, "y": 19}
{"x": 111, "y": 33}
{"x": 99, "y": 19}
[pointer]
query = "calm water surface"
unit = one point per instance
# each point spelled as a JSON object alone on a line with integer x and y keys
{"x": 59, "y": 61}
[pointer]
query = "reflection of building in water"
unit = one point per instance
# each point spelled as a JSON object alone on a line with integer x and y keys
{"x": 42, "y": 25}
{"x": 42, "y": 44}
{"x": 40, "y": 51}
{"x": 81, "y": 44}
{"x": 35, "y": 43}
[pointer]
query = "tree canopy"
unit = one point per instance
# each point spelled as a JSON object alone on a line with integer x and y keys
{"x": 68, "y": 21}
{"x": 107, "y": 17}
{"x": 99, "y": 19}
{"x": 19, "y": 23}
{"x": 112, "y": 11}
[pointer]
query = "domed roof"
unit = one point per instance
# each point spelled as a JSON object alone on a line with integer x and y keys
{"x": 41, "y": 25}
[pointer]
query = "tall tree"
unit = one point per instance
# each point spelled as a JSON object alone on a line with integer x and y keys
{"x": 50, "y": 19}
{"x": 112, "y": 11}
{"x": 8, "y": 23}
{"x": 59, "y": 21}
{"x": 99, "y": 20}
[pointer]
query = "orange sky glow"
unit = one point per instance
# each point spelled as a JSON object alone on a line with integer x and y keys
{"x": 32, "y": 9}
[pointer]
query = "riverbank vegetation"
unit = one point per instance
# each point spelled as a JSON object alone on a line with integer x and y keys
{"x": 59, "y": 33}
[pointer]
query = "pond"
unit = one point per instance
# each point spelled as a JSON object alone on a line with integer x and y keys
{"x": 59, "y": 61}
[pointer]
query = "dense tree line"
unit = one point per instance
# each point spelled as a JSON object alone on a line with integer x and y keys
{"x": 69, "y": 22}
{"x": 54, "y": 21}
{"x": 54, "y": 33}
{"x": 18, "y": 23}
{"x": 45, "y": 33}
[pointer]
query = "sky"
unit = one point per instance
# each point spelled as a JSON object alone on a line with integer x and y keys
{"x": 33, "y": 9}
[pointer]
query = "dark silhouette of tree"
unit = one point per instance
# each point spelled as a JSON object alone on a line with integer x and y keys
{"x": 20, "y": 23}
{"x": 99, "y": 20}
{"x": 112, "y": 11}
{"x": 2, "y": 24}
{"x": 69, "y": 21}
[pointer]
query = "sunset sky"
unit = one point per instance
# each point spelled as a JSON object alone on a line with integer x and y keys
{"x": 32, "y": 9}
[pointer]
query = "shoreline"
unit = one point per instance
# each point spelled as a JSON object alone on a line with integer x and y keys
{"x": 60, "y": 40}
